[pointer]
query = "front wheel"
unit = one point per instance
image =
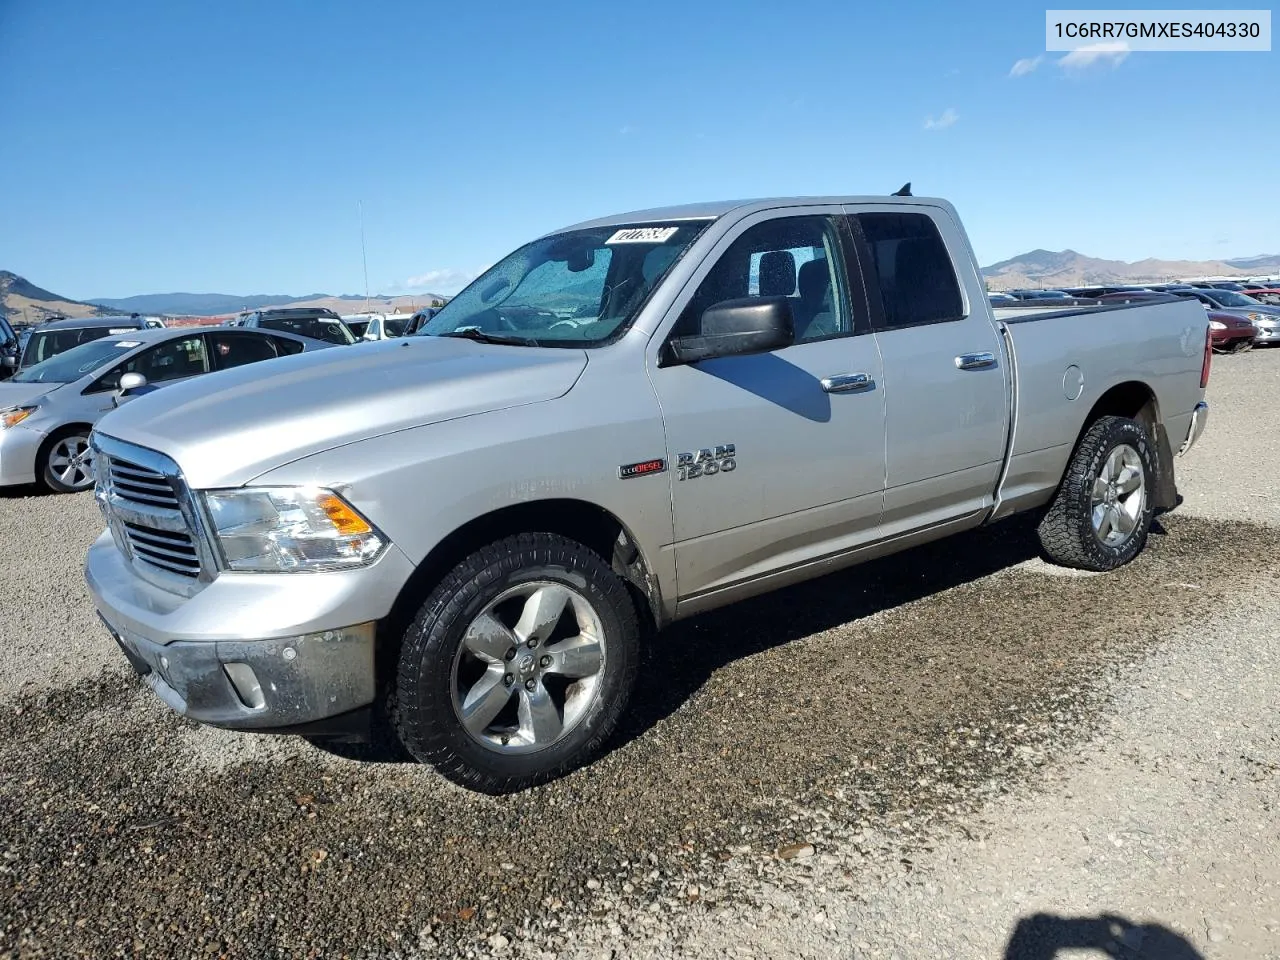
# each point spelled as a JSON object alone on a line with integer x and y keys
{"x": 66, "y": 464}
{"x": 518, "y": 665}
{"x": 1102, "y": 512}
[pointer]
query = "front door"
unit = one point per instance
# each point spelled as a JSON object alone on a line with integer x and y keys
{"x": 776, "y": 459}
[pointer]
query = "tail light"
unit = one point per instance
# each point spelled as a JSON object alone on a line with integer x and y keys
{"x": 1208, "y": 358}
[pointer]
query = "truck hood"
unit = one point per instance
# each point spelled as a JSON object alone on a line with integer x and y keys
{"x": 23, "y": 394}
{"x": 227, "y": 428}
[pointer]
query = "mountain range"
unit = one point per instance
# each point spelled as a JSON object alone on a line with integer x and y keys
{"x": 1066, "y": 268}
{"x": 22, "y": 300}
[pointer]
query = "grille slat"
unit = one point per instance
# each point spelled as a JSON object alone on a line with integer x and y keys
{"x": 150, "y": 519}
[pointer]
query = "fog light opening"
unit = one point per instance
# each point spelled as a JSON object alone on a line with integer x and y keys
{"x": 245, "y": 683}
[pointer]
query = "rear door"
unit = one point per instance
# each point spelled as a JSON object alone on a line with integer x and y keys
{"x": 235, "y": 348}
{"x": 776, "y": 459}
{"x": 945, "y": 384}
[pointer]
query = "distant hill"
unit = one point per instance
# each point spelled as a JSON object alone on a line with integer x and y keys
{"x": 22, "y": 301}
{"x": 214, "y": 304}
{"x": 1067, "y": 268}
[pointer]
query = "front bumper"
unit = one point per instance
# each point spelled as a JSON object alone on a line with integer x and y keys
{"x": 1267, "y": 335}
{"x": 19, "y": 448}
{"x": 251, "y": 651}
{"x": 1199, "y": 418}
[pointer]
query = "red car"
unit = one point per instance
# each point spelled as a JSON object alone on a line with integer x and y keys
{"x": 1268, "y": 295}
{"x": 1231, "y": 334}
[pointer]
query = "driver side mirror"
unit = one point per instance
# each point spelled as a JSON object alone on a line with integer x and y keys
{"x": 735, "y": 328}
{"x": 9, "y": 360}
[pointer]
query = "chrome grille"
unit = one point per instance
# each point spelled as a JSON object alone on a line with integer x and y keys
{"x": 152, "y": 515}
{"x": 166, "y": 549}
{"x": 141, "y": 485}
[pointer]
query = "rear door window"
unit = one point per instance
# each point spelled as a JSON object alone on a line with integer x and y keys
{"x": 910, "y": 266}
{"x": 235, "y": 349}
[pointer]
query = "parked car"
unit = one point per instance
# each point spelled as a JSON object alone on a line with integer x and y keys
{"x": 420, "y": 319}
{"x": 57, "y": 336}
{"x": 1224, "y": 285}
{"x": 1001, "y": 299}
{"x": 1092, "y": 293}
{"x": 48, "y": 409}
{"x": 386, "y": 327}
{"x": 1041, "y": 294}
{"x": 357, "y": 325}
{"x": 9, "y": 348}
{"x": 622, "y": 423}
{"x": 1263, "y": 316}
{"x": 1267, "y": 296}
{"x": 318, "y": 324}
{"x": 1231, "y": 333}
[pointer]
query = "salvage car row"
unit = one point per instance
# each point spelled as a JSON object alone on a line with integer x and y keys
{"x": 1240, "y": 315}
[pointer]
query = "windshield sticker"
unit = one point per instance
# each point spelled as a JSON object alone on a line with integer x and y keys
{"x": 643, "y": 235}
{"x": 128, "y": 344}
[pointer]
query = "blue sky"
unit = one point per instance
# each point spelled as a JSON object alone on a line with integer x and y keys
{"x": 151, "y": 146}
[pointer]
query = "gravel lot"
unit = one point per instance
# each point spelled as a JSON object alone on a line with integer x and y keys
{"x": 893, "y": 761}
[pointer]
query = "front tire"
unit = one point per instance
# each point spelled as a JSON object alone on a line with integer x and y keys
{"x": 66, "y": 462}
{"x": 1101, "y": 515}
{"x": 518, "y": 665}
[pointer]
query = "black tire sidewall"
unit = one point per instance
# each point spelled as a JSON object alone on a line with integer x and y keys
{"x": 46, "y": 453}
{"x": 1101, "y": 441}
{"x": 426, "y": 718}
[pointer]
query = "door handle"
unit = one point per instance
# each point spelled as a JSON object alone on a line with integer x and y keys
{"x": 847, "y": 383}
{"x": 975, "y": 361}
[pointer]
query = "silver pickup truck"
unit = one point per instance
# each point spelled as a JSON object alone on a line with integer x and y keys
{"x": 470, "y": 532}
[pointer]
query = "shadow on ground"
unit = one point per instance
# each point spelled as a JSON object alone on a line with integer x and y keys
{"x": 1046, "y": 936}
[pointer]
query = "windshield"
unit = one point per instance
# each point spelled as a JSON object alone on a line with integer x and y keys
{"x": 329, "y": 329}
{"x": 44, "y": 344}
{"x": 570, "y": 289}
{"x": 1229, "y": 298}
{"x": 73, "y": 364}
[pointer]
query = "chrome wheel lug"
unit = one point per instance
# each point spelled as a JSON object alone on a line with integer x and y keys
{"x": 510, "y": 654}
{"x": 533, "y": 642}
{"x": 544, "y": 662}
{"x": 508, "y": 679}
{"x": 529, "y": 685}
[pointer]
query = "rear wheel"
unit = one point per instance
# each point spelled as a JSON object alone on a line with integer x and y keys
{"x": 1101, "y": 515}
{"x": 518, "y": 665}
{"x": 66, "y": 463}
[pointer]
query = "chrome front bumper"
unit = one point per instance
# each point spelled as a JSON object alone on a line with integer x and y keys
{"x": 251, "y": 651}
{"x": 1199, "y": 417}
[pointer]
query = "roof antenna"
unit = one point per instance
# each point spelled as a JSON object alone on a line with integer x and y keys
{"x": 904, "y": 190}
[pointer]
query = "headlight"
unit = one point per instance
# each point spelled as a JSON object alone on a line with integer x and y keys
{"x": 289, "y": 529}
{"x": 1215, "y": 325}
{"x": 15, "y": 415}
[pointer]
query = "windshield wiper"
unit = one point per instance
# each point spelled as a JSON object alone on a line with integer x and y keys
{"x": 481, "y": 336}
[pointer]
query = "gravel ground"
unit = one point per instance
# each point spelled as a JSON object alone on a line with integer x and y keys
{"x": 895, "y": 760}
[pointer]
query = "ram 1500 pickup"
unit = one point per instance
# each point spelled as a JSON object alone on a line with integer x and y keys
{"x": 471, "y": 531}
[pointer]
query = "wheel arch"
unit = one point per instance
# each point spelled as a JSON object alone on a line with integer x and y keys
{"x": 1136, "y": 400}
{"x": 587, "y": 523}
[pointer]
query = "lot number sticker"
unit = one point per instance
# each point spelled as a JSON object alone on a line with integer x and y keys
{"x": 643, "y": 235}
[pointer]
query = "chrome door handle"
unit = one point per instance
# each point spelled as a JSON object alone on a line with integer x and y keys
{"x": 975, "y": 361}
{"x": 847, "y": 383}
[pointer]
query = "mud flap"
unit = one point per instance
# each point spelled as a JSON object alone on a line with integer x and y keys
{"x": 1165, "y": 496}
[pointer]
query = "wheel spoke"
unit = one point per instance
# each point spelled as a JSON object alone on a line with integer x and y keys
{"x": 1100, "y": 488}
{"x": 59, "y": 462}
{"x": 485, "y": 700}
{"x": 1099, "y": 517}
{"x": 541, "y": 613}
{"x": 1130, "y": 479}
{"x": 1104, "y": 528}
{"x": 576, "y": 657}
{"x": 539, "y": 719}
{"x": 66, "y": 474}
{"x": 1124, "y": 521}
{"x": 489, "y": 639}
{"x": 1113, "y": 465}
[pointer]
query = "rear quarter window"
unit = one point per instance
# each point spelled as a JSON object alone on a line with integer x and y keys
{"x": 911, "y": 268}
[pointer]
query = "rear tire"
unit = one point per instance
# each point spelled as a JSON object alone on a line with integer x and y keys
{"x": 66, "y": 462}
{"x": 470, "y": 695}
{"x": 1101, "y": 515}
